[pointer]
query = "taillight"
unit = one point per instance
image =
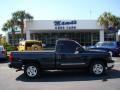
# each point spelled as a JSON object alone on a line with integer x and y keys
{"x": 10, "y": 57}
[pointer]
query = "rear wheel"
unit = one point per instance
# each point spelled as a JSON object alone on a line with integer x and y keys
{"x": 97, "y": 68}
{"x": 32, "y": 70}
{"x": 35, "y": 47}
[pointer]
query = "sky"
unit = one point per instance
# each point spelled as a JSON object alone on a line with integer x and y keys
{"x": 58, "y": 9}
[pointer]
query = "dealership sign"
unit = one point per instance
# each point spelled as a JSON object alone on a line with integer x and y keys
{"x": 65, "y": 25}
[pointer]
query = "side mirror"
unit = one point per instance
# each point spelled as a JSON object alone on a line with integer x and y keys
{"x": 77, "y": 50}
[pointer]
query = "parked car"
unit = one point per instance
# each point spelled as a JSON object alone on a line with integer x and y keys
{"x": 68, "y": 54}
{"x": 3, "y": 53}
{"x": 110, "y": 46}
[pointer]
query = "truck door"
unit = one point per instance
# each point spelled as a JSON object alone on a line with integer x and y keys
{"x": 67, "y": 57}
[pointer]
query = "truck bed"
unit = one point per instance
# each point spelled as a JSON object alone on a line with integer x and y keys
{"x": 33, "y": 54}
{"x": 45, "y": 58}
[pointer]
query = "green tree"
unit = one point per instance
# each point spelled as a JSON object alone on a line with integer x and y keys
{"x": 108, "y": 20}
{"x": 3, "y": 40}
{"x": 20, "y": 17}
{"x": 10, "y": 25}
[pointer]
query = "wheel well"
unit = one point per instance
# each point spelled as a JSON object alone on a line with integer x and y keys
{"x": 98, "y": 59}
{"x": 31, "y": 61}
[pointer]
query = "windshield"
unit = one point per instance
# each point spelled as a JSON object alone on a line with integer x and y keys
{"x": 105, "y": 44}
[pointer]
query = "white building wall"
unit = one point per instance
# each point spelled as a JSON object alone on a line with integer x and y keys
{"x": 48, "y": 25}
{"x": 27, "y": 34}
{"x": 101, "y": 35}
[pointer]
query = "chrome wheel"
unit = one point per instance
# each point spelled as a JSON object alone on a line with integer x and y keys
{"x": 31, "y": 71}
{"x": 98, "y": 69}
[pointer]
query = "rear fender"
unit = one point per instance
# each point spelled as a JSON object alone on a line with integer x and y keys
{"x": 25, "y": 62}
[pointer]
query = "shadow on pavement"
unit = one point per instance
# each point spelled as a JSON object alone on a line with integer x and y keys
{"x": 3, "y": 61}
{"x": 65, "y": 76}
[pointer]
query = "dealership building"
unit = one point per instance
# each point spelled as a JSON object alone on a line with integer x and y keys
{"x": 86, "y": 32}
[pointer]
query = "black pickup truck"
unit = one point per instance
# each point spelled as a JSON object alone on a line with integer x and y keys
{"x": 68, "y": 54}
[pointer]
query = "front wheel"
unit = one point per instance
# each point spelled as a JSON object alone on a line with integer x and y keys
{"x": 97, "y": 68}
{"x": 32, "y": 70}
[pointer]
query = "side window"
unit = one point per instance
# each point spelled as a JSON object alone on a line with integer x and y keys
{"x": 67, "y": 46}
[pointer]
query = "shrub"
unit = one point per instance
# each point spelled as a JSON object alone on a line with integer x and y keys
{"x": 10, "y": 47}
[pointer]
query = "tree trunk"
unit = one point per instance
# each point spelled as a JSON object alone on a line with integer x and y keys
{"x": 22, "y": 36}
{"x": 13, "y": 37}
{"x": 22, "y": 30}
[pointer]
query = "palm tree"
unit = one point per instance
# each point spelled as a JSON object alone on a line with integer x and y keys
{"x": 10, "y": 25}
{"x": 107, "y": 20}
{"x": 20, "y": 17}
{"x": 117, "y": 23}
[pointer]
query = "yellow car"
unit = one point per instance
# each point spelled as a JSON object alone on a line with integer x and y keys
{"x": 30, "y": 45}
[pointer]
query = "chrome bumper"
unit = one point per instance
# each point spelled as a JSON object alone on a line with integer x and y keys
{"x": 110, "y": 64}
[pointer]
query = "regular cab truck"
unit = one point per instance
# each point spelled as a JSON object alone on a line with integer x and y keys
{"x": 68, "y": 54}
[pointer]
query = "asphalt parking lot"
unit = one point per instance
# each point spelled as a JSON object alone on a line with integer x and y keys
{"x": 60, "y": 80}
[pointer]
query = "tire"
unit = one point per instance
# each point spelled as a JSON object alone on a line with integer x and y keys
{"x": 97, "y": 68}
{"x": 35, "y": 47}
{"x": 32, "y": 70}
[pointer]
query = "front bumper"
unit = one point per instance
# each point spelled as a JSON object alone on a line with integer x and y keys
{"x": 110, "y": 64}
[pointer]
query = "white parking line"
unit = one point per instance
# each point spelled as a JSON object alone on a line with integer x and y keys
{"x": 3, "y": 67}
{"x": 117, "y": 63}
{"x": 115, "y": 59}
